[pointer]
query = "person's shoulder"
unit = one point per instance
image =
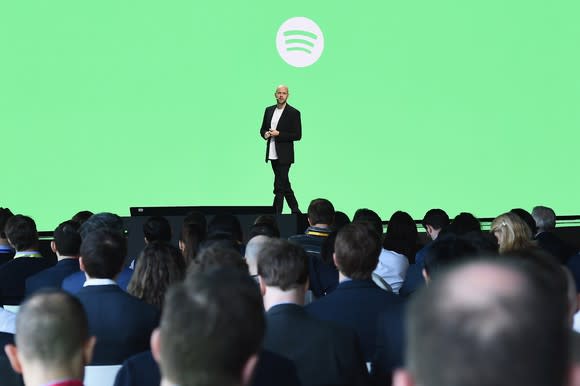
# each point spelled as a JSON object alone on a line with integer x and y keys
{"x": 292, "y": 109}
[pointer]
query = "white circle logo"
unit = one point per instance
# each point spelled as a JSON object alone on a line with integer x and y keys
{"x": 300, "y": 42}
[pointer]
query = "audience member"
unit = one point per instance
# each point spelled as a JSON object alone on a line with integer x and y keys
{"x": 220, "y": 254}
{"x": 324, "y": 353}
{"x": 253, "y": 248}
{"x": 157, "y": 228}
{"x": 323, "y": 276}
{"x": 121, "y": 322}
{"x": 402, "y": 236}
{"x": 264, "y": 225}
{"x": 22, "y": 235}
{"x": 52, "y": 340}
{"x": 66, "y": 244}
{"x": 159, "y": 266}
{"x": 192, "y": 235}
{"x": 6, "y": 251}
{"x": 546, "y": 237}
{"x": 486, "y": 323}
{"x": 225, "y": 227}
{"x": 392, "y": 266}
{"x": 527, "y": 218}
{"x": 512, "y": 233}
{"x": 82, "y": 216}
{"x": 462, "y": 224}
{"x": 357, "y": 301}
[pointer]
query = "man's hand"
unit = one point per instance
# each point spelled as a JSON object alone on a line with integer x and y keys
{"x": 274, "y": 133}
{"x": 267, "y": 135}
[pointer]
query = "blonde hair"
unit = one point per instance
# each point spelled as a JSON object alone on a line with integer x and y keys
{"x": 512, "y": 233}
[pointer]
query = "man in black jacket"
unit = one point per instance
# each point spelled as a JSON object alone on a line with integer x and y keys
{"x": 281, "y": 126}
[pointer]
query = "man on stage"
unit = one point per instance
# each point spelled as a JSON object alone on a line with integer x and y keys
{"x": 281, "y": 126}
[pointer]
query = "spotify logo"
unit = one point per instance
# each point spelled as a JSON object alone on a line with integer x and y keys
{"x": 300, "y": 42}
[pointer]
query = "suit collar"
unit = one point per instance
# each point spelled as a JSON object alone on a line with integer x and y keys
{"x": 356, "y": 284}
{"x": 285, "y": 309}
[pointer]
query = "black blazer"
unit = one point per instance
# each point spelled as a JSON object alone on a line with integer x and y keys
{"x": 324, "y": 353}
{"x": 13, "y": 275}
{"x": 121, "y": 322}
{"x": 53, "y": 276}
{"x": 290, "y": 128}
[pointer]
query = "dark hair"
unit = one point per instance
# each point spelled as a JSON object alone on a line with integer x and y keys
{"x": 192, "y": 235}
{"x": 437, "y": 218}
{"x": 456, "y": 339}
{"x": 197, "y": 218}
{"x": 218, "y": 256}
{"x": 157, "y": 228}
{"x": 283, "y": 264}
{"x": 357, "y": 249}
{"x": 528, "y": 219}
{"x": 401, "y": 235}
{"x": 264, "y": 225}
{"x": 67, "y": 238}
{"x": 340, "y": 220}
{"x": 100, "y": 221}
{"x": 21, "y": 232}
{"x": 321, "y": 211}
{"x": 225, "y": 227}
{"x": 103, "y": 253}
{"x": 212, "y": 323}
{"x": 158, "y": 266}
{"x": 371, "y": 217}
{"x": 82, "y": 216}
{"x": 462, "y": 224}
{"x": 5, "y": 214}
{"x": 52, "y": 328}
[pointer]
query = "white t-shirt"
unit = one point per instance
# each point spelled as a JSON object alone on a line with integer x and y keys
{"x": 274, "y": 124}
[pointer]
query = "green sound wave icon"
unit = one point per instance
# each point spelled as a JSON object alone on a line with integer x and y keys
{"x": 299, "y": 37}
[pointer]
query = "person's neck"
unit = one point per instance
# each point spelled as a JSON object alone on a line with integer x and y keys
{"x": 342, "y": 277}
{"x": 280, "y": 106}
{"x": 320, "y": 225}
{"x": 4, "y": 242}
{"x": 37, "y": 375}
{"x": 60, "y": 257}
{"x": 275, "y": 296}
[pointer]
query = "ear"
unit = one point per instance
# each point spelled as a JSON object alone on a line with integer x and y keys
{"x": 334, "y": 260}
{"x": 53, "y": 246}
{"x": 309, "y": 222}
{"x": 88, "y": 350}
{"x": 146, "y": 241}
{"x": 425, "y": 276}
{"x": 155, "y": 343}
{"x": 262, "y": 285}
{"x": 248, "y": 370}
{"x": 12, "y": 353}
{"x": 403, "y": 378}
{"x": 181, "y": 246}
{"x": 82, "y": 264}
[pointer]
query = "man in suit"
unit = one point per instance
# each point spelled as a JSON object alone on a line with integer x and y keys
{"x": 324, "y": 353}
{"x": 66, "y": 245}
{"x": 22, "y": 235}
{"x": 357, "y": 302}
{"x": 281, "y": 126}
{"x": 546, "y": 237}
{"x": 121, "y": 322}
{"x": 53, "y": 344}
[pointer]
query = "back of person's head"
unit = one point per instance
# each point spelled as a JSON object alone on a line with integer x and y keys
{"x": 82, "y": 216}
{"x": 253, "y": 248}
{"x": 264, "y": 225}
{"x": 462, "y": 224}
{"x": 197, "y": 218}
{"x": 103, "y": 253}
{"x": 21, "y": 232}
{"x": 545, "y": 218}
{"x": 356, "y": 251}
{"x": 67, "y": 239}
{"x": 401, "y": 235}
{"x": 218, "y": 255}
{"x": 192, "y": 235}
{"x": 101, "y": 221}
{"x": 486, "y": 323}
{"x": 527, "y": 217}
{"x": 512, "y": 232}
{"x": 283, "y": 264}
{"x": 157, "y": 228}
{"x": 437, "y": 218}
{"x": 340, "y": 220}
{"x": 52, "y": 336}
{"x": 321, "y": 211}
{"x": 5, "y": 214}
{"x": 225, "y": 227}
{"x": 211, "y": 330}
{"x": 159, "y": 266}
{"x": 371, "y": 217}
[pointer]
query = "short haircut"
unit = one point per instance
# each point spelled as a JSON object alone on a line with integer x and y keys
{"x": 82, "y": 216}
{"x": 225, "y": 227}
{"x": 463, "y": 223}
{"x": 437, "y": 218}
{"x": 67, "y": 238}
{"x": 101, "y": 221}
{"x": 371, "y": 217}
{"x": 253, "y": 248}
{"x": 321, "y": 211}
{"x": 218, "y": 256}
{"x": 157, "y": 228}
{"x": 51, "y": 328}
{"x": 283, "y": 264}
{"x": 21, "y": 232}
{"x": 544, "y": 217}
{"x": 103, "y": 253}
{"x": 513, "y": 335}
{"x": 264, "y": 225}
{"x": 5, "y": 214}
{"x": 357, "y": 249}
{"x": 211, "y": 325}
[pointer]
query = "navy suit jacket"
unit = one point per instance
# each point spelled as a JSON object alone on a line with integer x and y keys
{"x": 272, "y": 369}
{"x": 290, "y": 128}
{"x": 121, "y": 322}
{"x": 356, "y": 304}
{"x": 52, "y": 277}
{"x": 324, "y": 353}
{"x": 8, "y": 377}
{"x": 73, "y": 283}
{"x": 390, "y": 345}
{"x": 13, "y": 275}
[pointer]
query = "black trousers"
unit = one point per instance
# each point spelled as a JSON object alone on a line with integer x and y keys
{"x": 283, "y": 188}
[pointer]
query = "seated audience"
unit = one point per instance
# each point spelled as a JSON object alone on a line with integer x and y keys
{"x": 157, "y": 228}
{"x": 6, "y": 251}
{"x": 487, "y": 323}
{"x": 357, "y": 301}
{"x": 53, "y": 344}
{"x": 324, "y": 353}
{"x": 22, "y": 235}
{"x": 66, "y": 245}
{"x": 546, "y": 237}
{"x": 159, "y": 266}
{"x": 225, "y": 227}
{"x": 264, "y": 225}
{"x": 121, "y": 322}
{"x": 323, "y": 276}
{"x": 392, "y": 266}
{"x": 401, "y": 237}
{"x": 512, "y": 233}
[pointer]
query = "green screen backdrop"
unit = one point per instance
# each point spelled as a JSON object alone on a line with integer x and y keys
{"x": 463, "y": 105}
